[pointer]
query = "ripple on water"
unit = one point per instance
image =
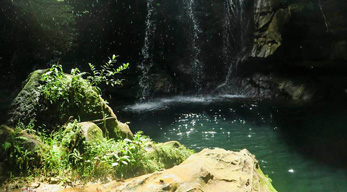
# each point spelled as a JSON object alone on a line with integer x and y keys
{"x": 208, "y": 122}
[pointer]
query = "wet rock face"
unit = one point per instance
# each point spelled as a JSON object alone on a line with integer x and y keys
{"x": 207, "y": 171}
{"x": 300, "y": 46}
{"x": 305, "y": 30}
{"x": 268, "y": 24}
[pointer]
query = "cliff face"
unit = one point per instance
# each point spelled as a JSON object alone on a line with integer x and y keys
{"x": 299, "y": 48}
{"x": 265, "y": 48}
{"x": 305, "y": 30}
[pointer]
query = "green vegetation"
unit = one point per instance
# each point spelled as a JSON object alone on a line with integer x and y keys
{"x": 60, "y": 146}
{"x": 265, "y": 180}
{"x": 106, "y": 73}
{"x": 59, "y": 87}
{"x": 21, "y": 148}
{"x": 171, "y": 153}
{"x": 67, "y": 155}
{"x": 52, "y": 97}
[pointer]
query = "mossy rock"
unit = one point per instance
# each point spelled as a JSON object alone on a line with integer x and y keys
{"x": 26, "y": 105}
{"x": 91, "y": 131}
{"x": 5, "y": 133}
{"x": 169, "y": 154}
{"x": 85, "y": 104}
{"x": 19, "y": 149}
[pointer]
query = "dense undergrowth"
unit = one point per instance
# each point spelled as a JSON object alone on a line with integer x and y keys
{"x": 51, "y": 142}
{"x": 67, "y": 155}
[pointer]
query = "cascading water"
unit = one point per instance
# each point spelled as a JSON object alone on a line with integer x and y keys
{"x": 236, "y": 27}
{"x": 324, "y": 17}
{"x": 196, "y": 63}
{"x": 235, "y": 41}
{"x": 147, "y": 50}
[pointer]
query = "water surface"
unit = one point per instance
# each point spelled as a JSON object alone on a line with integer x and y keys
{"x": 302, "y": 149}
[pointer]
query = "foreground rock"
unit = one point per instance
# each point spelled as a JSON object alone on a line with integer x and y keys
{"x": 210, "y": 170}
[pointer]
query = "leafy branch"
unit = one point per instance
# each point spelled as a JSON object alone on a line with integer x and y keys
{"x": 107, "y": 72}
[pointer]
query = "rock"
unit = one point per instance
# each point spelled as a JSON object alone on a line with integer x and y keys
{"x": 296, "y": 90}
{"x": 168, "y": 154}
{"x": 5, "y": 133}
{"x": 269, "y": 23}
{"x": 91, "y": 131}
{"x": 26, "y": 105}
{"x": 210, "y": 170}
{"x": 30, "y": 105}
{"x": 13, "y": 140}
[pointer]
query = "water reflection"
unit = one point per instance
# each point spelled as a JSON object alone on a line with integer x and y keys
{"x": 301, "y": 148}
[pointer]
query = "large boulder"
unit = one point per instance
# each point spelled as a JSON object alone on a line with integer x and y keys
{"x": 89, "y": 106}
{"x": 210, "y": 170}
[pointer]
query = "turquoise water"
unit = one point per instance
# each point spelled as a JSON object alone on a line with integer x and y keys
{"x": 302, "y": 149}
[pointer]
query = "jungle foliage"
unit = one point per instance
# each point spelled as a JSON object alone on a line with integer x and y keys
{"x": 67, "y": 155}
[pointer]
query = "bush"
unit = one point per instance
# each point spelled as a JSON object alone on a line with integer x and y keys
{"x": 66, "y": 154}
{"x": 59, "y": 87}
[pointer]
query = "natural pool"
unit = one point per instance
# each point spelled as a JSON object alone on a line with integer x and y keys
{"x": 302, "y": 148}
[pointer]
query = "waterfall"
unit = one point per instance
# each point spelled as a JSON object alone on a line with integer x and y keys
{"x": 147, "y": 50}
{"x": 236, "y": 25}
{"x": 324, "y": 17}
{"x": 196, "y": 63}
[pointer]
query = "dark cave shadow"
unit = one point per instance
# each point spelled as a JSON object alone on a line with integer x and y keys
{"x": 316, "y": 131}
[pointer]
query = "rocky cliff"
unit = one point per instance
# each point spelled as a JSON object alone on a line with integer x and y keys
{"x": 299, "y": 48}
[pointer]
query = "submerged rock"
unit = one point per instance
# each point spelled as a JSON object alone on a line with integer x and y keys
{"x": 210, "y": 170}
{"x": 31, "y": 105}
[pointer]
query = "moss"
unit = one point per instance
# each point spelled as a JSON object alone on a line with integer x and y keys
{"x": 26, "y": 105}
{"x": 68, "y": 154}
{"x": 170, "y": 154}
{"x": 79, "y": 100}
{"x": 92, "y": 132}
{"x": 265, "y": 180}
{"x": 19, "y": 150}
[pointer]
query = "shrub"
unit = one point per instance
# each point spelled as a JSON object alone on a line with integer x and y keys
{"x": 59, "y": 87}
{"x": 66, "y": 154}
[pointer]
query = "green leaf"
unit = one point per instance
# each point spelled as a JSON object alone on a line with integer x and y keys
{"x": 127, "y": 140}
{"x": 23, "y": 138}
{"x": 6, "y": 145}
